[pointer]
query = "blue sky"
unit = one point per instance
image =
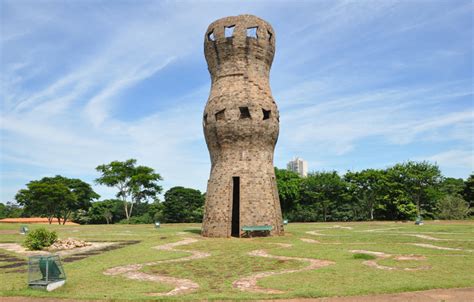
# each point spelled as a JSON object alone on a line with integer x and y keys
{"x": 359, "y": 84}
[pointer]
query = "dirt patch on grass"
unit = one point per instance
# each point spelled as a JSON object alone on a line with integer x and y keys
{"x": 249, "y": 283}
{"x": 181, "y": 285}
{"x": 69, "y": 255}
{"x": 18, "y": 248}
{"x": 9, "y": 232}
{"x": 341, "y": 227}
{"x": 315, "y": 233}
{"x": 380, "y": 255}
{"x": 379, "y": 230}
{"x": 427, "y": 237}
{"x": 435, "y": 247}
{"x": 308, "y": 240}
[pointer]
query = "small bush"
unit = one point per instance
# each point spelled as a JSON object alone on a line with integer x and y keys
{"x": 144, "y": 219}
{"x": 453, "y": 207}
{"x": 364, "y": 256}
{"x": 39, "y": 239}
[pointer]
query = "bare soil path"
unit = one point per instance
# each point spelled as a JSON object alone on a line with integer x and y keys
{"x": 181, "y": 285}
{"x": 249, "y": 283}
{"x": 380, "y": 255}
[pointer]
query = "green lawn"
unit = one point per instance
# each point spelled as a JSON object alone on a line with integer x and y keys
{"x": 229, "y": 261}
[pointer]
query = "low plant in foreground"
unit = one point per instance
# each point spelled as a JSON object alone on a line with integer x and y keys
{"x": 39, "y": 239}
{"x": 364, "y": 256}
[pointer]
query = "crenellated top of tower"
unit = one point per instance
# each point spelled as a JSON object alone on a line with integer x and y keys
{"x": 239, "y": 45}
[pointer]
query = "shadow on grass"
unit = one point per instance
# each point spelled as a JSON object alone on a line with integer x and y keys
{"x": 195, "y": 231}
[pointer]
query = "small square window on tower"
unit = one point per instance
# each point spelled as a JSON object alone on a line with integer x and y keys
{"x": 220, "y": 115}
{"x": 229, "y": 31}
{"x": 266, "y": 114}
{"x": 244, "y": 112}
{"x": 252, "y": 32}
{"x": 210, "y": 36}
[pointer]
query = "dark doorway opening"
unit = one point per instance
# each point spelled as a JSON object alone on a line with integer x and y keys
{"x": 235, "y": 207}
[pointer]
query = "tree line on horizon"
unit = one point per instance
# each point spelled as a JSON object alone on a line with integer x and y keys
{"x": 404, "y": 191}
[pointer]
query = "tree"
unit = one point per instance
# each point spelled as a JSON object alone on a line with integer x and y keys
{"x": 134, "y": 183}
{"x": 288, "y": 183}
{"x": 367, "y": 186}
{"x": 183, "y": 205}
{"x": 323, "y": 192}
{"x": 10, "y": 210}
{"x": 55, "y": 197}
{"x": 453, "y": 207}
{"x": 451, "y": 186}
{"x": 468, "y": 191}
{"x": 105, "y": 211}
{"x": 83, "y": 195}
{"x": 418, "y": 179}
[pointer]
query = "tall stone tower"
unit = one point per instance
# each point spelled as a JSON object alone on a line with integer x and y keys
{"x": 241, "y": 124}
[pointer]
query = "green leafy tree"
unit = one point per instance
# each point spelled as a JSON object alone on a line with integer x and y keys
{"x": 451, "y": 186}
{"x": 453, "y": 207}
{"x": 106, "y": 211}
{"x": 55, "y": 197}
{"x": 323, "y": 192}
{"x": 418, "y": 180}
{"x": 468, "y": 191}
{"x": 367, "y": 187}
{"x": 183, "y": 205}
{"x": 10, "y": 210}
{"x": 135, "y": 184}
{"x": 288, "y": 183}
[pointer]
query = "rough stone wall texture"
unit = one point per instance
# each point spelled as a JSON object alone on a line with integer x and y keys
{"x": 241, "y": 124}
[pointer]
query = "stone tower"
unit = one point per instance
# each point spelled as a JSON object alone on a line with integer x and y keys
{"x": 241, "y": 124}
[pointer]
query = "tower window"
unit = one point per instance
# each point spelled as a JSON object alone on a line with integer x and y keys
{"x": 229, "y": 31}
{"x": 204, "y": 120}
{"x": 269, "y": 35}
{"x": 252, "y": 32}
{"x": 244, "y": 112}
{"x": 220, "y": 115}
{"x": 210, "y": 36}
{"x": 266, "y": 114}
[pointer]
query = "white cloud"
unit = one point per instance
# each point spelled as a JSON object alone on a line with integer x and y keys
{"x": 453, "y": 158}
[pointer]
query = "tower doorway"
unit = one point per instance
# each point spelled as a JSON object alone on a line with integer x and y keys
{"x": 235, "y": 232}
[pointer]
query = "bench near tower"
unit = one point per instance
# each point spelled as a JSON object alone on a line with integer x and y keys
{"x": 241, "y": 124}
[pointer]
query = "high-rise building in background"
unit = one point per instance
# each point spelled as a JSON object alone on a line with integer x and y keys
{"x": 299, "y": 166}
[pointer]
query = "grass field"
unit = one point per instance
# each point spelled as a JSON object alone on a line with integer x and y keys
{"x": 346, "y": 245}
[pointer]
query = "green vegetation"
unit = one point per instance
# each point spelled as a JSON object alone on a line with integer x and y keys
{"x": 363, "y": 256}
{"x": 39, "y": 239}
{"x": 453, "y": 207}
{"x": 135, "y": 184}
{"x": 230, "y": 261}
{"x": 404, "y": 191}
{"x": 55, "y": 197}
{"x": 183, "y": 205}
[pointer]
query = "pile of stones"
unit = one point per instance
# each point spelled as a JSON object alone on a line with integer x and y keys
{"x": 67, "y": 244}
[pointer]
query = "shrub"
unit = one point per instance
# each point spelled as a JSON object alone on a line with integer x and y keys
{"x": 143, "y": 219}
{"x": 363, "y": 256}
{"x": 453, "y": 207}
{"x": 39, "y": 239}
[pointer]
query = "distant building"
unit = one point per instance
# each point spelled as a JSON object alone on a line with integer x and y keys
{"x": 299, "y": 166}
